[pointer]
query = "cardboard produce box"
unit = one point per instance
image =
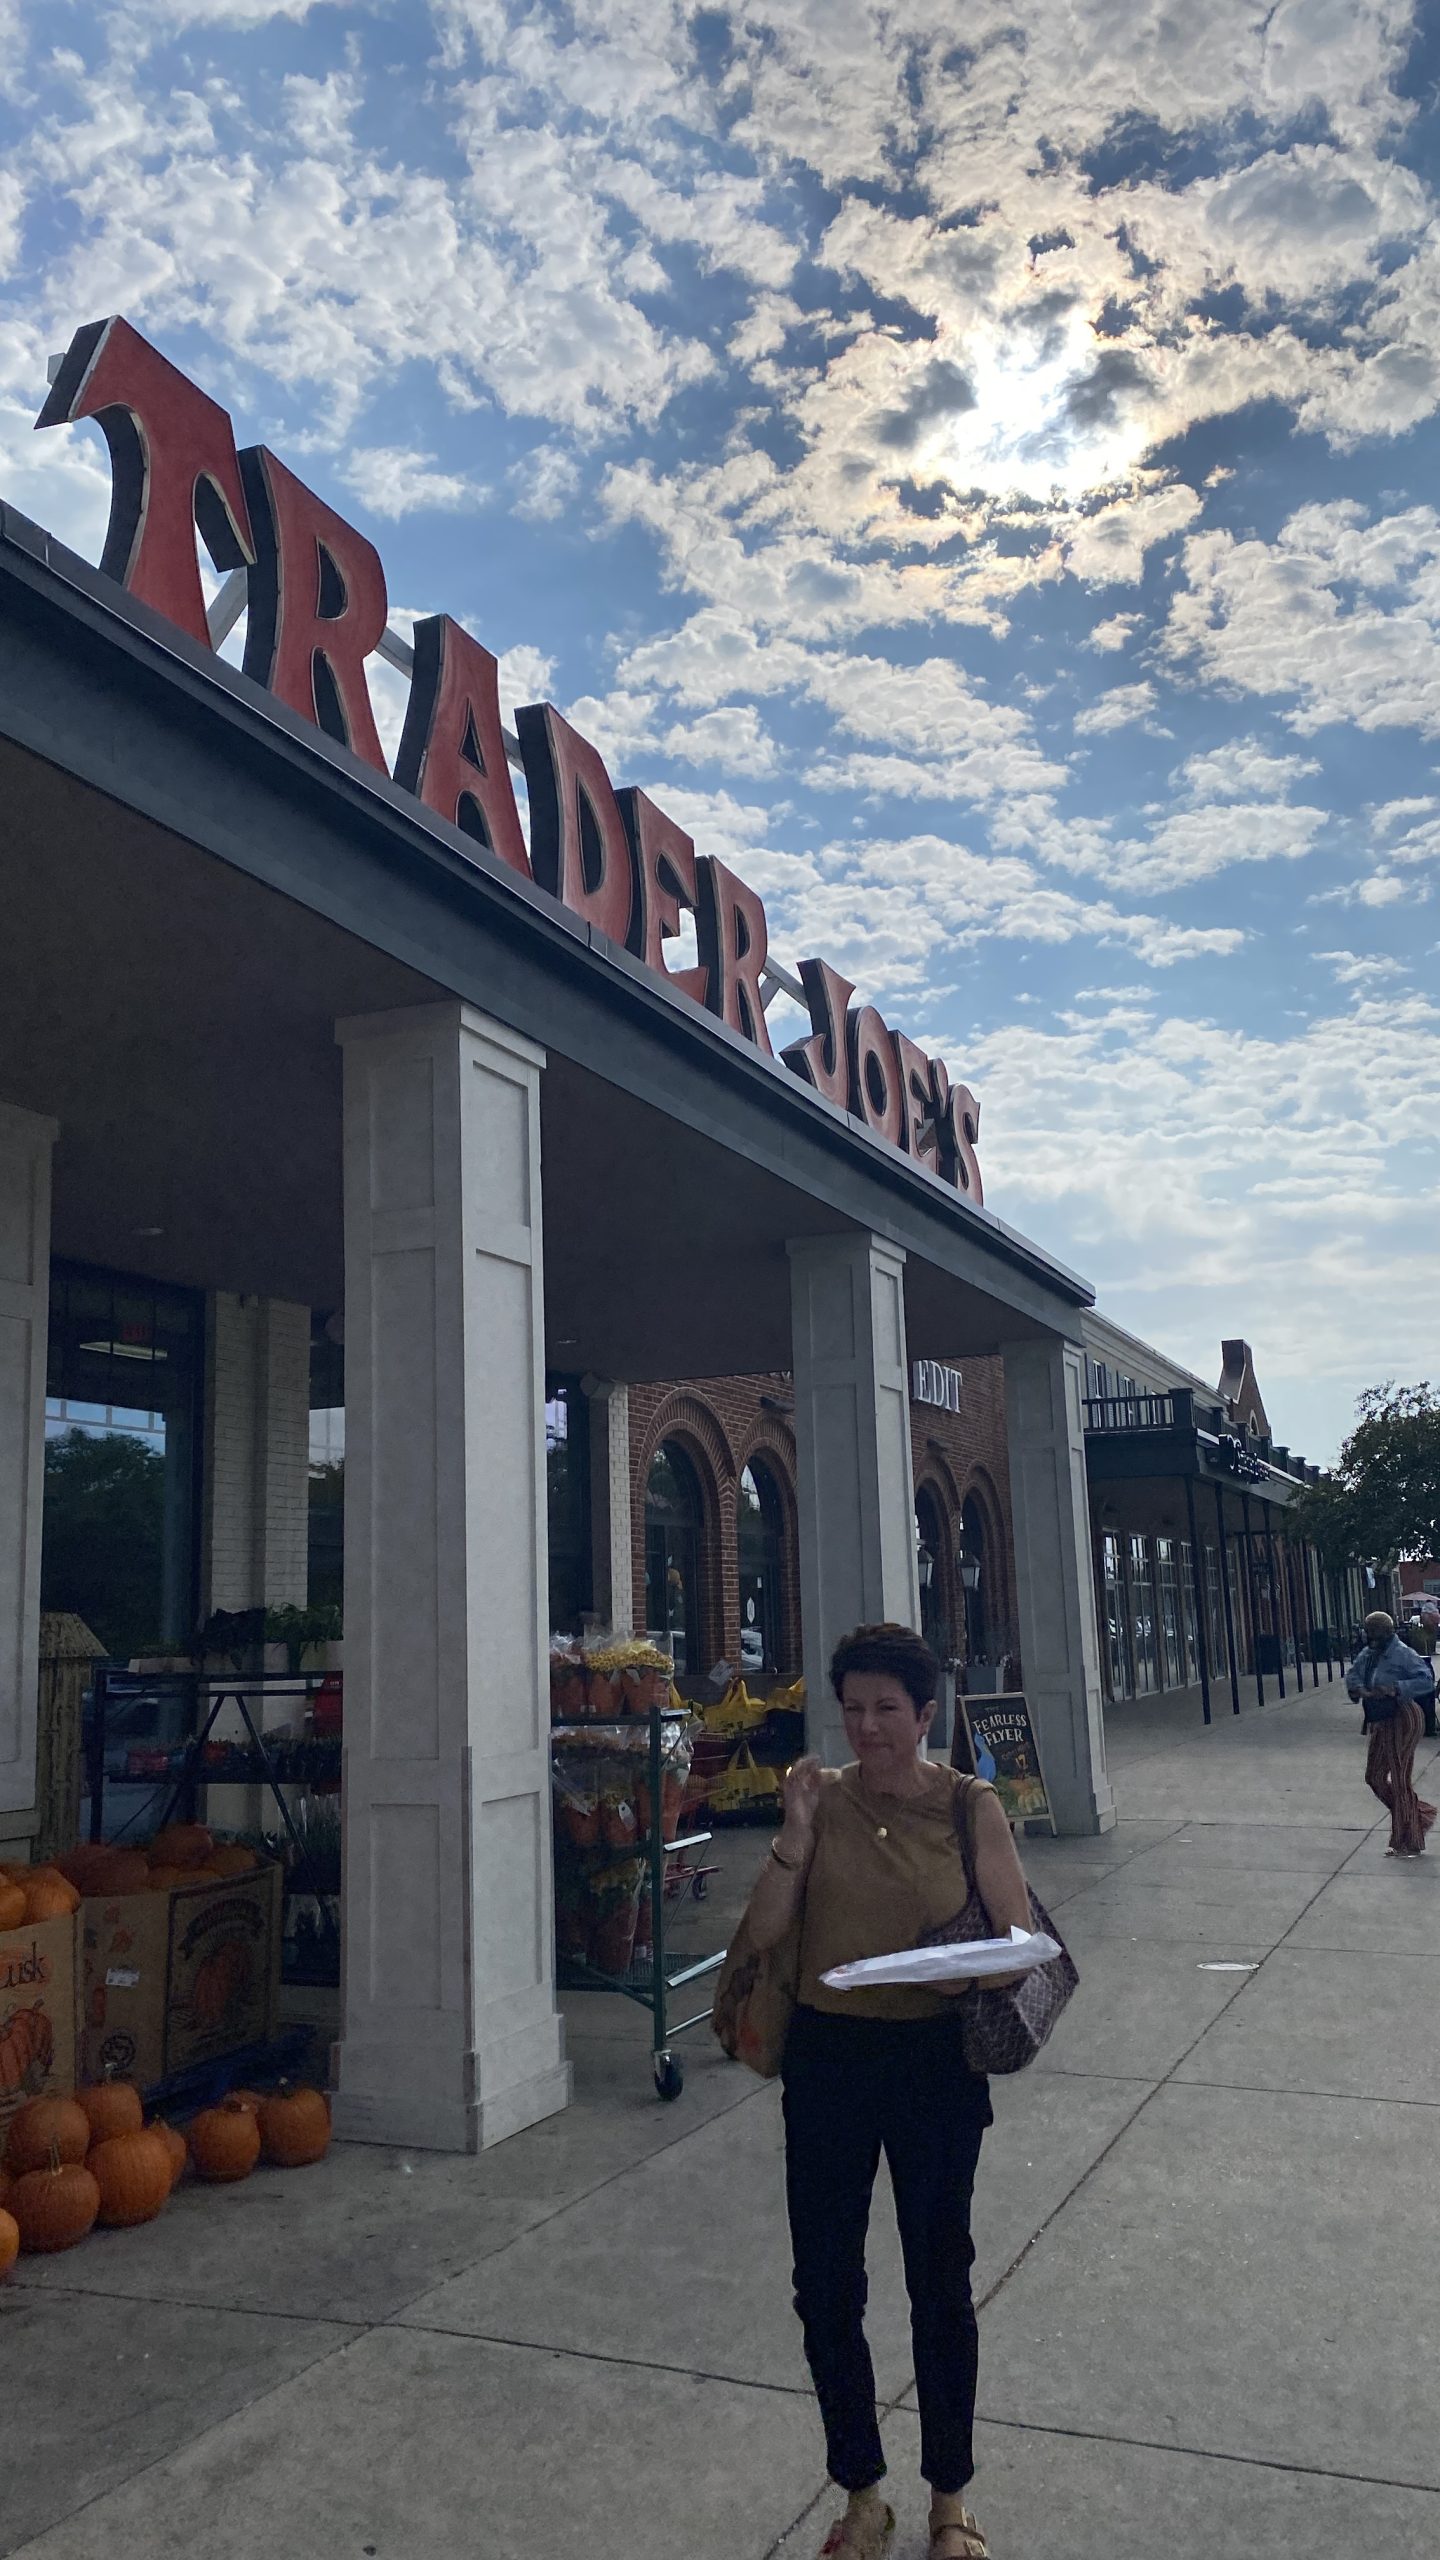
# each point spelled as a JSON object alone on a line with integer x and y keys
{"x": 39, "y": 2022}
{"x": 171, "y": 1979}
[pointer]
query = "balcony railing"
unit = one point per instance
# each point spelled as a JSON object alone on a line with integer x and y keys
{"x": 1137, "y": 1412}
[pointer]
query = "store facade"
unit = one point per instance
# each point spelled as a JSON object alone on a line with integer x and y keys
{"x": 1205, "y": 1597}
{"x": 354, "y": 1057}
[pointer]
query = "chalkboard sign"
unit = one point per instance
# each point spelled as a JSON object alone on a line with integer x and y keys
{"x": 995, "y": 1739}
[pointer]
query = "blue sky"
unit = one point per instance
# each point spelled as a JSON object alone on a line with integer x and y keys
{"x": 975, "y": 464}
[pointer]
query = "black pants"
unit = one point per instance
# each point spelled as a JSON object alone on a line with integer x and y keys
{"x": 855, "y": 2087}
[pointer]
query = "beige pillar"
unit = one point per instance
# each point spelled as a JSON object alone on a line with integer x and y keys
{"x": 451, "y": 2035}
{"x": 1059, "y": 1638}
{"x": 854, "y": 1488}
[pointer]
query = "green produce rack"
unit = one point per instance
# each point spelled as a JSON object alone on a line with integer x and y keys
{"x": 647, "y": 1979}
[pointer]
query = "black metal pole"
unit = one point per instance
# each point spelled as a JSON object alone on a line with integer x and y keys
{"x": 1248, "y": 1534}
{"x": 1325, "y": 1605}
{"x": 1202, "y": 1641}
{"x": 1229, "y": 1603}
{"x": 1274, "y": 1600}
{"x": 99, "y": 1708}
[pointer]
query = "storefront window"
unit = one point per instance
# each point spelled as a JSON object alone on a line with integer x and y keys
{"x": 1188, "y": 1624}
{"x": 759, "y": 1538}
{"x": 1144, "y": 1628}
{"x": 972, "y": 1532}
{"x": 934, "y": 1582}
{"x": 673, "y": 1522}
{"x": 1117, "y": 1648}
{"x": 567, "y": 1483}
{"x": 327, "y": 1468}
{"x": 1168, "y": 1573}
{"x": 1215, "y": 1613}
{"x": 122, "y": 1430}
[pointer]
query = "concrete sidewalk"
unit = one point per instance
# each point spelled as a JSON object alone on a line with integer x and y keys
{"x": 1208, "y": 2224}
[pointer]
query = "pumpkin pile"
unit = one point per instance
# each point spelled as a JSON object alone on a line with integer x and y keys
{"x": 71, "y": 2163}
{"x": 183, "y": 1853}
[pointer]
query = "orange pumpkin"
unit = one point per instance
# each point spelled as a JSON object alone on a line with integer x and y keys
{"x": 294, "y": 2127}
{"x": 9, "y": 2241}
{"x": 54, "y": 2207}
{"x": 12, "y": 1904}
{"x": 27, "y": 2049}
{"x": 181, "y": 1844}
{"x": 225, "y": 2142}
{"x": 177, "y": 2149}
{"x": 48, "y": 1896}
{"x": 166, "y": 1879}
{"x": 46, "y": 2125}
{"x": 232, "y": 1860}
{"x": 85, "y": 1860}
{"x": 112, "y": 2107}
{"x": 132, "y": 2172}
{"x": 120, "y": 1871}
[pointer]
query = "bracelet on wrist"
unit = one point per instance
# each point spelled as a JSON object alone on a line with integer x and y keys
{"x": 792, "y": 1866}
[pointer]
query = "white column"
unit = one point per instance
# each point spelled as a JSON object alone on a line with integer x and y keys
{"x": 854, "y": 1488}
{"x": 25, "y": 1146}
{"x": 1059, "y": 1639}
{"x": 257, "y": 1454}
{"x": 451, "y": 2036}
{"x": 612, "y": 1553}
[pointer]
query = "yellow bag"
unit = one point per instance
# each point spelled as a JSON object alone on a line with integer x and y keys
{"x": 737, "y": 1712}
{"x": 744, "y": 1784}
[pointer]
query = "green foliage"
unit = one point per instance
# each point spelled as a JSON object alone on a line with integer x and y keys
{"x": 1384, "y": 1501}
{"x": 298, "y": 1629}
{"x": 104, "y": 1535}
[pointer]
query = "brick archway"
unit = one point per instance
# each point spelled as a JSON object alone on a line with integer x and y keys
{"x": 771, "y": 1446}
{"x": 690, "y": 1424}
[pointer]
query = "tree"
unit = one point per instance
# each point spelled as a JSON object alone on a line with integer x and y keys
{"x": 104, "y": 1535}
{"x": 1383, "y": 1501}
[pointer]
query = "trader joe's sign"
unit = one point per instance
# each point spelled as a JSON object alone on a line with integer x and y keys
{"x": 1003, "y": 1749}
{"x": 317, "y": 610}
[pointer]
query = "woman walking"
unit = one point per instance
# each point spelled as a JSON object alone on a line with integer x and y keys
{"x": 870, "y": 1860}
{"x": 1394, "y": 1684}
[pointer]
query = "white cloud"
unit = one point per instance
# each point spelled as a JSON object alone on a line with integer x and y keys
{"x": 1243, "y": 769}
{"x": 1341, "y": 613}
{"x": 1115, "y": 632}
{"x": 394, "y": 481}
{"x": 546, "y": 482}
{"x": 1116, "y": 709}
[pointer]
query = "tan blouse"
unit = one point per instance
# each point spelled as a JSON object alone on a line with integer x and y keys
{"x": 880, "y": 1880}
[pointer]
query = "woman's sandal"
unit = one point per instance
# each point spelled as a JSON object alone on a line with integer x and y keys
{"x": 862, "y": 2537}
{"x": 962, "y": 2540}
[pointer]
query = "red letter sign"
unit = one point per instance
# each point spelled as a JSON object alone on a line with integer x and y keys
{"x": 875, "y": 1095}
{"x": 317, "y": 605}
{"x": 578, "y": 847}
{"x": 917, "y": 1096}
{"x": 821, "y": 1060}
{"x": 957, "y": 1122}
{"x": 664, "y": 862}
{"x": 172, "y": 463}
{"x": 733, "y": 945}
{"x": 452, "y": 751}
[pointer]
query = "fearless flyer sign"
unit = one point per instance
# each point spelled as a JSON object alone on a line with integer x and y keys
{"x": 317, "y": 609}
{"x": 1002, "y": 1747}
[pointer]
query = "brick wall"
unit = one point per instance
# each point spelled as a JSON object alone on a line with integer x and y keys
{"x": 255, "y": 1519}
{"x": 722, "y": 1423}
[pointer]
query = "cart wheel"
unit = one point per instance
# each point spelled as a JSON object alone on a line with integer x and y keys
{"x": 669, "y": 2076}
{"x": 700, "y": 1887}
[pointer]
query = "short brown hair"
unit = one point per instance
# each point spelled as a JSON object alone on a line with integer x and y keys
{"x": 896, "y": 1653}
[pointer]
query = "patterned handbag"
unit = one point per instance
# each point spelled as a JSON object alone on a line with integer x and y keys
{"x": 1003, "y": 2030}
{"x": 755, "y": 2000}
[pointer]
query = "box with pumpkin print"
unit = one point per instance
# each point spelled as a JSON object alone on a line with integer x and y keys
{"x": 179, "y": 1977}
{"x": 39, "y": 1988}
